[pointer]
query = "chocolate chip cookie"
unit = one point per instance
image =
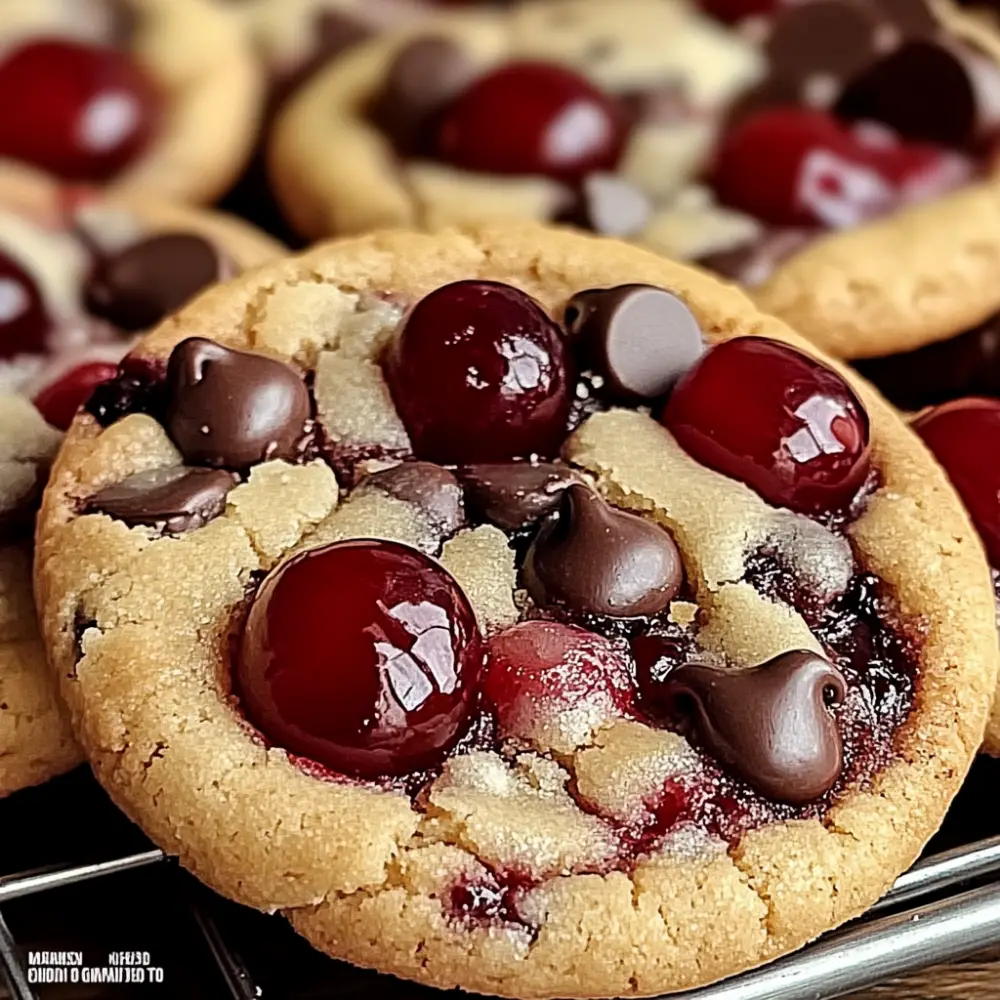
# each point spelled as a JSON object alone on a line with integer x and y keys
{"x": 151, "y": 97}
{"x": 80, "y": 277}
{"x": 515, "y": 610}
{"x": 738, "y": 145}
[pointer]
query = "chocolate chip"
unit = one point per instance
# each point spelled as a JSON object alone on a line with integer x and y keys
{"x": 595, "y": 559}
{"x": 179, "y": 499}
{"x": 928, "y": 91}
{"x": 430, "y": 487}
{"x": 914, "y": 18}
{"x": 336, "y": 30}
{"x": 514, "y": 495}
{"x": 771, "y": 724}
{"x": 609, "y": 205}
{"x": 138, "y": 286}
{"x": 639, "y": 338}
{"x": 966, "y": 365}
{"x": 753, "y": 263}
{"x": 824, "y": 40}
{"x": 423, "y": 77}
{"x": 230, "y": 408}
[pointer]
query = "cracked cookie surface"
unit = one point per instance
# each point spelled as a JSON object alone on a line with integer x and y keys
{"x": 566, "y": 842}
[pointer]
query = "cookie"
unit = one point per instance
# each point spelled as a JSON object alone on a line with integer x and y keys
{"x": 499, "y": 724}
{"x": 581, "y": 112}
{"x": 82, "y": 278}
{"x": 295, "y": 38}
{"x": 156, "y": 98}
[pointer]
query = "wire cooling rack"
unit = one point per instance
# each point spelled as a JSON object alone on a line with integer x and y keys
{"x": 109, "y": 892}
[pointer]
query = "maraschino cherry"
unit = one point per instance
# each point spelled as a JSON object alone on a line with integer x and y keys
{"x": 24, "y": 323}
{"x": 551, "y": 684}
{"x": 362, "y": 655}
{"x": 532, "y": 118}
{"x": 774, "y": 418}
{"x": 965, "y": 438}
{"x": 802, "y": 167}
{"x": 59, "y": 401}
{"x": 479, "y": 373}
{"x": 82, "y": 112}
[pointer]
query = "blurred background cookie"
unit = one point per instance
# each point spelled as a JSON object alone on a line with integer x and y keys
{"x": 704, "y": 135}
{"x": 80, "y": 277}
{"x": 158, "y": 97}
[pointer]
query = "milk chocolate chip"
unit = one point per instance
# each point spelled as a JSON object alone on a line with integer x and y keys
{"x": 639, "y": 338}
{"x": 514, "y": 495}
{"x": 595, "y": 559}
{"x": 230, "y": 409}
{"x": 430, "y": 487}
{"x": 772, "y": 724}
{"x": 178, "y": 499}
{"x": 423, "y": 77}
{"x": 138, "y": 286}
{"x": 816, "y": 47}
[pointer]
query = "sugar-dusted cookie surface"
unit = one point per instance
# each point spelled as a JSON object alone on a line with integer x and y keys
{"x": 83, "y": 276}
{"x": 159, "y": 98}
{"x": 440, "y": 591}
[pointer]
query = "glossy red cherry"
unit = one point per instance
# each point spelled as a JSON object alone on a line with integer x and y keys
{"x": 532, "y": 118}
{"x": 24, "y": 323}
{"x": 552, "y": 684}
{"x": 922, "y": 173}
{"x": 362, "y": 655}
{"x": 800, "y": 167}
{"x": 774, "y": 418}
{"x": 59, "y": 401}
{"x": 964, "y": 436}
{"x": 479, "y": 373}
{"x": 733, "y": 11}
{"x": 80, "y": 111}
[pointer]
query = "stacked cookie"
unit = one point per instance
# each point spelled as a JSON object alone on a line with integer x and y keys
{"x": 513, "y": 607}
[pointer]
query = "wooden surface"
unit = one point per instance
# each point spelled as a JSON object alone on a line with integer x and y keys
{"x": 976, "y": 978}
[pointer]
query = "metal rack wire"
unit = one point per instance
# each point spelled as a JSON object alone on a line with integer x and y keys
{"x": 929, "y": 916}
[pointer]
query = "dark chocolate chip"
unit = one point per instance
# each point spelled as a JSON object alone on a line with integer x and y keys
{"x": 824, "y": 40}
{"x": 966, "y": 365}
{"x": 609, "y": 205}
{"x": 514, "y": 495}
{"x": 230, "y": 409}
{"x": 425, "y": 75}
{"x": 430, "y": 487}
{"x": 753, "y": 263}
{"x": 179, "y": 499}
{"x": 771, "y": 724}
{"x": 639, "y": 338}
{"x": 137, "y": 287}
{"x": 914, "y": 18}
{"x": 594, "y": 559}
{"x": 928, "y": 91}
